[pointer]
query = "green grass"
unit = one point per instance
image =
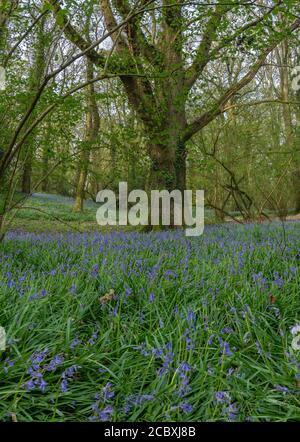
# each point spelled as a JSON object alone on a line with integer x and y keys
{"x": 191, "y": 334}
{"x": 51, "y": 213}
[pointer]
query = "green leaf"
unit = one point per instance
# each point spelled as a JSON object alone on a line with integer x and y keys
{"x": 60, "y": 17}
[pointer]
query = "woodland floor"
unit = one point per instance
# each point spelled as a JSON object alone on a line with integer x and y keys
{"x": 129, "y": 326}
{"x": 54, "y": 213}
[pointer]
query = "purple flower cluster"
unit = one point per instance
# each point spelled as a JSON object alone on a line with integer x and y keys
{"x": 282, "y": 389}
{"x": 136, "y": 401}
{"x": 165, "y": 368}
{"x": 225, "y": 348}
{"x": 36, "y": 372}
{"x": 101, "y": 410}
{"x": 92, "y": 340}
{"x": 185, "y": 407}
{"x": 42, "y": 294}
{"x": 190, "y": 345}
{"x": 8, "y": 363}
{"x": 228, "y": 409}
{"x": 75, "y": 343}
{"x": 184, "y": 379}
{"x": 106, "y": 393}
{"x": 55, "y": 362}
{"x": 209, "y": 316}
{"x": 151, "y": 297}
{"x": 95, "y": 270}
{"x": 103, "y": 415}
{"x": 67, "y": 376}
{"x": 73, "y": 289}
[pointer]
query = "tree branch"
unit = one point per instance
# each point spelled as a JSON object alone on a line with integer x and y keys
{"x": 219, "y": 106}
{"x": 202, "y": 56}
{"x": 22, "y": 38}
{"x": 136, "y": 38}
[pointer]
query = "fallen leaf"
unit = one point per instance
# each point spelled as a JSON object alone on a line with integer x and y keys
{"x": 107, "y": 297}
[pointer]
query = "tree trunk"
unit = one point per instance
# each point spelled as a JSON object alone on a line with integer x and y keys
{"x": 45, "y": 183}
{"x": 26, "y": 176}
{"x": 181, "y": 166}
{"x": 82, "y": 176}
{"x": 92, "y": 129}
{"x": 297, "y": 153}
{"x": 162, "y": 171}
{"x": 167, "y": 149}
{"x": 168, "y": 167}
{"x": 283, "y": 54}
{"x": 35, "y": 81}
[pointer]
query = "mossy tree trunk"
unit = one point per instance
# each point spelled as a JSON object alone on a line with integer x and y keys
{"x": 35, "y": 79}
{"x": 91, "y": 133}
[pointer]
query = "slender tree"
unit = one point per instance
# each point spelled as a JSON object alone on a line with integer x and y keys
{"x": 36, "y": 77}
{"x": 91, "y": 132}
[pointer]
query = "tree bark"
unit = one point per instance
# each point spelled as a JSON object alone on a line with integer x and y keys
{"x": 26, "y": 176}
{"x": 46, "y": 158}
{"x": 92, "y": 129}
{"x": 283, "y": 54}
{"x": 35, "y": 80}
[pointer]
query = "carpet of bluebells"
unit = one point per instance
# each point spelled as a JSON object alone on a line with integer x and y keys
{"x": 198, "y": 329}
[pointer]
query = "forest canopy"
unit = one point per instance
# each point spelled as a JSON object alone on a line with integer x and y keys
{"x": 167, "y": 94}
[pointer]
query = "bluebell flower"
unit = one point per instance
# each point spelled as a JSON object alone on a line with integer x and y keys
{"x": 106, "y": 414}
{"x": 107, "y": 392}
{"x": 191, "y": 317}
{"x": 93, "y": 338}
{"x": 282, "y": 389}
{"x": 8, "y": 363}
{"x": 54, "y": 363}
{"x": 73, "y": 289}
{"x": 64, "y": 385}
{"x": 157, "y": 352}
{"x": 222, "y": 397}
{"x": 151, "y": 297}
{"x": 186, "y": 408}
{"x": 210, "y": 340}
{"x": 231, "y": 412}
{"x": 37, "y": 358}
{"x": 68, "y": 375}
{"x": 184, "y": 367}
{"x": 166, "y": 364}
{"x": 43, "y": 385}
{"x": 30, "y": 385}
{"x": 258, "y": 348}
{"x": 95, "y": 270}
{"x": 75, "y": 343}
{"x": 227, "y": 330}
{"x": 225, "y": 348}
